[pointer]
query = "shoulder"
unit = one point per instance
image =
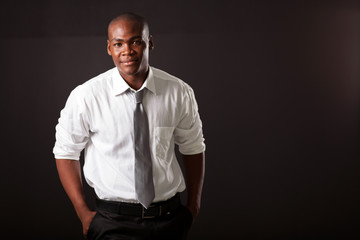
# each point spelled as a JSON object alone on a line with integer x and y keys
{"x": 98, "y": 85}
{"x": 169, "y": 81}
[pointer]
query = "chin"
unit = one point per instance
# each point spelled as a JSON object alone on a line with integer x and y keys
{"x": 128, "y": 71}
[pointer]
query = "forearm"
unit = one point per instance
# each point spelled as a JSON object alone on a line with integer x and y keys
{"x": 194, "y": 172}
{"x": 70, "y": 176}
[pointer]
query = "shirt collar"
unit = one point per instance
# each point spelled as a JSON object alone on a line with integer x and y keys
{"x": 120, "y": 85}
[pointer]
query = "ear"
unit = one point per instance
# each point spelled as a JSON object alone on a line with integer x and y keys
{"x": 108, "y": 47}
{"x": 151, "y": 43}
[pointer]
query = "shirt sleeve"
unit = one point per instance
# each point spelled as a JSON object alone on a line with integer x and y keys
{"x": 188, "y": 134}
{"x": 72, "y": 130}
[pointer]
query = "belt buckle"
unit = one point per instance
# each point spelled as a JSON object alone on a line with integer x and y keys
{"x": 143, "y": 216}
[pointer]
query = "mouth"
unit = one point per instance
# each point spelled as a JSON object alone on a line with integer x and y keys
{"x": 129, "y": 62}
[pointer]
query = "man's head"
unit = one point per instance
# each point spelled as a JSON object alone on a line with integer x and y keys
{"x": 129, "y": 43}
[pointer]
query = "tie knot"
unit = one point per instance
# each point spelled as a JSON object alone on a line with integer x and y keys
{"x": 139, "y": 96}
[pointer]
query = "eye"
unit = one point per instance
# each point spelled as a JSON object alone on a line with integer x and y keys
{"x": 117, "y": 45}
{"x": 137, "y": 42}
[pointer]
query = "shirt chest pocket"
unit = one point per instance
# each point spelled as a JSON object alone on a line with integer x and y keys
{"x": 164, "y": 142}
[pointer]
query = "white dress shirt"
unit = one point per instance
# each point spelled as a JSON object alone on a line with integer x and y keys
{"x": 98, "y": 117}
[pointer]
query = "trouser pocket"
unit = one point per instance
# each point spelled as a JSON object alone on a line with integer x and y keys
{"x": 187, "y": 216}
{"x": 92, "y": 228}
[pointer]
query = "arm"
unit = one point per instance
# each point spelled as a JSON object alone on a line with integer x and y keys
{"x": 195, "y": 171}
{"x": 70, "y": 177}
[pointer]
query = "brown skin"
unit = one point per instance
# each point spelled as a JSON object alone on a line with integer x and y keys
{"x": 70, "y": 176}
{"x": 129, "y": 44}
{"x": 195, "y": 172}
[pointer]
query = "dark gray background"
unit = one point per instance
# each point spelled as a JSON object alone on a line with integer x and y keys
{"x": 277, "y": 83}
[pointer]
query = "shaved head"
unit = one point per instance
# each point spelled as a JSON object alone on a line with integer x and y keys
{"x": 129, "y": 43}
{"x": 129, "y": 16}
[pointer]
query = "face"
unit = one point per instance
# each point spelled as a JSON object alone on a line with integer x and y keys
{"x": 129, "y": 45}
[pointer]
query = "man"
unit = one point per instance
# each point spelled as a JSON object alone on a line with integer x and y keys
{"x": 128, "y": 143}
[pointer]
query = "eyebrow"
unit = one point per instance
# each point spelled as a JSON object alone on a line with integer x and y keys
{"x": 122, "y": 40}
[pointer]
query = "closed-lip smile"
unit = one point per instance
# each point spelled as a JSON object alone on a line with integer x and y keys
{"x": 128, "y": 61}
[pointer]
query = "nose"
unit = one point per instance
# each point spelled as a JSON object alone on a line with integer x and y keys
{"x": 126, "y": 49}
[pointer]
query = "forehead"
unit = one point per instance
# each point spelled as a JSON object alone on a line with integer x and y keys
{"x": 125, "y": 29}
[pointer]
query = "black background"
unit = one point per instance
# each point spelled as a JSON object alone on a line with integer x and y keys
{"x": 277, "y": 83}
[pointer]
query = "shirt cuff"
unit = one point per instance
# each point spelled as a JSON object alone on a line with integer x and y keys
{"x": 194, "y": 149}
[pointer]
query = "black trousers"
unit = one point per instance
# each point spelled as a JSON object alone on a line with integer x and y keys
{"x": 112, "y": 226}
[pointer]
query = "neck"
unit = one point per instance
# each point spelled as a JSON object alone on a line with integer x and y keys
{"x": 135, "y": 81}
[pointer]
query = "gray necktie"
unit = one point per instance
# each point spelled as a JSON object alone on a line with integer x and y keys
{"x": 144, "y": 185}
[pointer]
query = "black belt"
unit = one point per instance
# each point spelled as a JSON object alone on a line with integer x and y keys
{"x": 135, "y": 209}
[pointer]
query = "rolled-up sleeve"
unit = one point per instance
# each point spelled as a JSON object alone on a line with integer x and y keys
{"x": 72, "y": 130}
{"x": 188, "y": 134}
